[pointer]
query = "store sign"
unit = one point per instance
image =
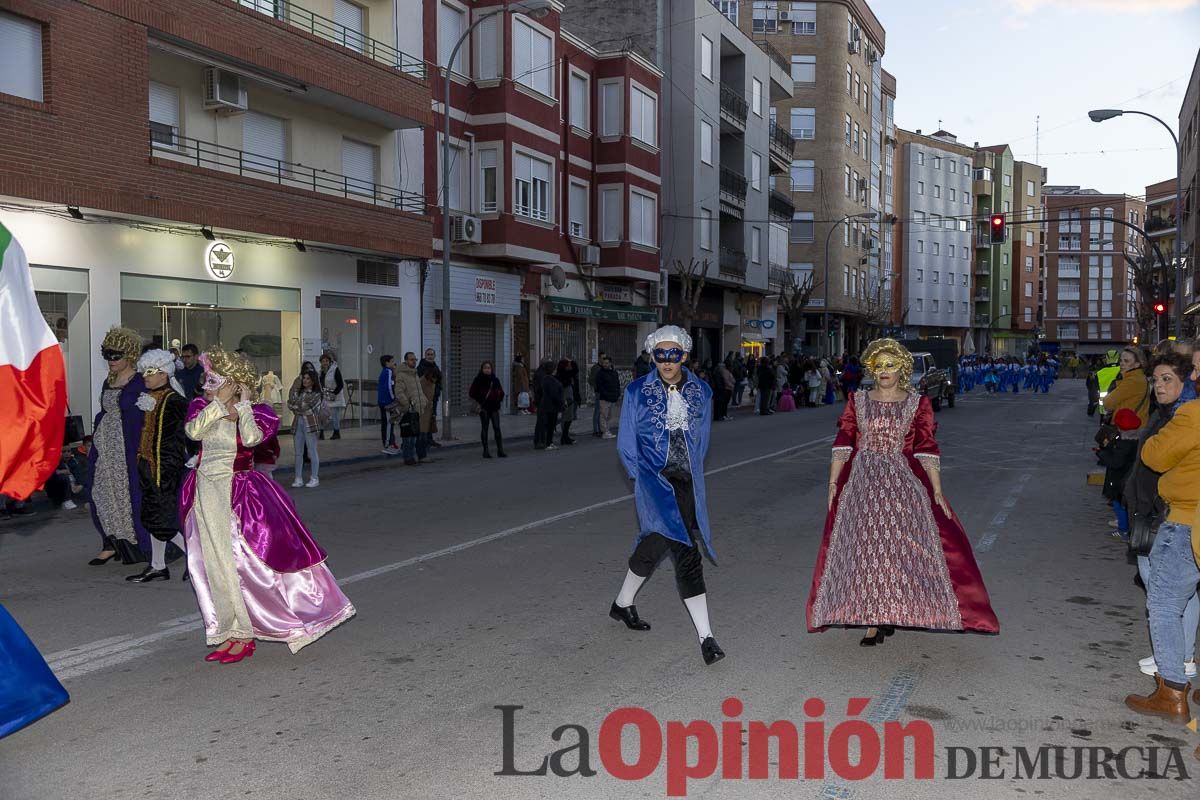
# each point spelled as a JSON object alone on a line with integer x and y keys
{"x": 485, "y": 291}
{"x": 615, "y": 293}
{"x": 592, "y": 310}
{"x": 218, "y": 260}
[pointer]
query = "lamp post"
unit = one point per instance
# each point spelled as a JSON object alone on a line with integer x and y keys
{"x": 532, "y": 8}
{"x": 825, "y": 315}
{"x": 1102, "y": 114}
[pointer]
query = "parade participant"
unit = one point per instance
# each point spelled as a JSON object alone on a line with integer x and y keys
{"x": 255, "y": 568}
{"x": 663, "y": 439}
{"x": 28, "y": 689}
{"x": 893, "y": 553}
{"x": 162, "y": 451}
{"x": 117, "y": 433}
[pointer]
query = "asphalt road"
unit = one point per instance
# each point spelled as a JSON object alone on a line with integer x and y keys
{"x": 486, "y": 583}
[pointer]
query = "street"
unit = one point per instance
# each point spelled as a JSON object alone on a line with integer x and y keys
{"x": 487, "y": 583}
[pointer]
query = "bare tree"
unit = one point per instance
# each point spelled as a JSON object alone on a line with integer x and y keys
{"x": 691, "y": 286}
{"x": 1145, "y": 273}
{"x": 874, "y": 307}
{"x": 794, "y": 295}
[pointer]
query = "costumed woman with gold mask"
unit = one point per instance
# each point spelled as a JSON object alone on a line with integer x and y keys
{"x": 255, "y": 568}
{"x": 893, "y": 554}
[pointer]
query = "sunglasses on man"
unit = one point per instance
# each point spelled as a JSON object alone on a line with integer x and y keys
{"x": 671, "y": 355}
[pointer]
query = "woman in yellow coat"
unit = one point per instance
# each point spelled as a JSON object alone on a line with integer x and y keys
{"x": 1131, "y": 390}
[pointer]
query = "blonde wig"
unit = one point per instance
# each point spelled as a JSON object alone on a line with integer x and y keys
{"x": 235, "y": 367}
{"x": 880, "y": 348}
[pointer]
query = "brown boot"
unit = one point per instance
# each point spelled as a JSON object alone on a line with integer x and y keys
{"x": 1166, "y": 702}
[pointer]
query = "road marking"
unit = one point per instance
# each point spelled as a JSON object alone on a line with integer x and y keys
{"x": 988, "y": 540}
{"x": 83, "y": 659}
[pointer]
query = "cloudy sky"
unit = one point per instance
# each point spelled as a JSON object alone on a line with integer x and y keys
{"x": 987, "y": 70}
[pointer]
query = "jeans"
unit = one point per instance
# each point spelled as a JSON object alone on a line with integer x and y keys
{"x": 606, "y": 412}
{"x": 764, "y": 400}
{"x": 1191, "y": 613}
{"x": 335, "y": 416}
{"x": 415, "y": 447}
{"x": 1173, "y": 579}
{"x": 1122, "y": 519}
{"x": 596, "y": 416}
{"x": 739, "y": 387}
{"x": 306, "y": 440}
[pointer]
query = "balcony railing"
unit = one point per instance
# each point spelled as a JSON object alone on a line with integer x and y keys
{"x": 732, "y": 262}
{"x": 1065, "y": 272}
{"x": 983, "y": 320}
{"x": 332, "y": 31}
{"x": 779, "y": 58}
{"x": 778, "y": 276}
{"x": 780, "y": 206}
{"x": 1159, "y": 223}
{"x": 782, "y": 143}
{"x": 983, "y": 297}
{"x": 983, "y": 269}
{"x": 285, "y": 173}
{"x": 733, "y": 183}
{"x": 733, "y": 106}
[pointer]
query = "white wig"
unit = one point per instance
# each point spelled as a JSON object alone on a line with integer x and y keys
{"x": 163, "y": 361}
{"x": 669, "y": 333}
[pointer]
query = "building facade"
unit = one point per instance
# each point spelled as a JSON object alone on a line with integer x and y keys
{"x": 555, "y": 187}
{"x": 1189, "y": 204}
{"x": 992, "y": 187}
{"x": 1028, "y": 259}
{"x": 229, "y": 173}
{"x": 1091, "y": 295}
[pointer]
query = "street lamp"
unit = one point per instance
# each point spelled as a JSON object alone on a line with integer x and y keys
{"x": 834, "y": 227}
{"x": 1102, "y": 114}
{"x": 532, "y": 8}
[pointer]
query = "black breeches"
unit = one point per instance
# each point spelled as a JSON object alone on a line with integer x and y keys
{"x": 688, "y": 562}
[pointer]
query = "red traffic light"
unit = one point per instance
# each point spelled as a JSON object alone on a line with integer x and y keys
{"x": 1160, "y": 308}
{"x": 998, "y": 233}
{"x": 997, "y": 220}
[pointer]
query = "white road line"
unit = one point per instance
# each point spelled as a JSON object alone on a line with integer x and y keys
{"x": 83, "y": 659}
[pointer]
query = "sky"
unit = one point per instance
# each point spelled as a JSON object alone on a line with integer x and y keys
{"x": 987, "y": 70}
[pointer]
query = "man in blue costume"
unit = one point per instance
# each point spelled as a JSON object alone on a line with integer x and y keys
{"x": 665, "y": 424}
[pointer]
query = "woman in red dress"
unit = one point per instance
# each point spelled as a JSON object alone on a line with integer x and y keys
{"x": 893, "y": 554}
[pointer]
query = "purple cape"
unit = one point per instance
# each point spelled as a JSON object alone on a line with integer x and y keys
{"x": 132, "y": 418}
{"x": 265, "y": 514}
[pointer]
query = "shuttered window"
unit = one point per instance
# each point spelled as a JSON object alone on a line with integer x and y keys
{"x": 264, "y": 138}
{"x": 488, "y": 34}
{"x": 533, "y": 61}
{"x": 350, "y": 24}
{"x": 610, "y": 109}
{"x": 20, "y": 57}
{"x": 643, "y": 116}
{"x": 578, "y": 198}
{"x": 164, "y": 115}
{"x": 360, "y": 165}
{"x": 451, "y": 24}
{"x": 643, "y": 218}
{"x": 610, "y": 215}
{"x": 531, "y": 187}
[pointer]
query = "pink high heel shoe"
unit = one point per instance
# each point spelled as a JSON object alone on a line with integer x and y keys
{"x": 218, "y": 654}
{"x": 247, "y": 651}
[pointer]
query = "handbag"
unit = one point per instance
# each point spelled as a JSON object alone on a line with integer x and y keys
{"x": 1142, "y": 530}
{"x": 410, "y": 423}
{"x": 73, "y": 430}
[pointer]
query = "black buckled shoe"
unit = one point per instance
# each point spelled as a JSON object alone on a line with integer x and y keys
{"x": 148, "y": 575}
{"x": 629, "y": 616}
{"x": 711, "y": 651}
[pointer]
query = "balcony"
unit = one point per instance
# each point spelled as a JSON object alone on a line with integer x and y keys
{"x": 983, "y": 269}
{"x": 1160, "y": 225}
{"x": 732, "y": 263}
{"x": 778, "y": 276}
{"x": 782, "y": 146}
{"x": 734, "y": 110}
{"x": 983, "y": 296}
{"x": 780, "y": 206}
{"x": 983, "y": 320}
{"x": 983, "y": 239}
{"x": 1068, "y": 272}
{"x": 779, "y": 58}
{"x": 733, "y": 193}
{"x": 207, "y": 155}
{"x": 981, "y": 188}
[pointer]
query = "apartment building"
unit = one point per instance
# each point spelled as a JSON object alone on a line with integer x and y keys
{"x": 1189, "y": 204}
{"x": 1090, "y": 293}
{"x": 226, "y": 173}
{"x": 555, "y": 187}
{"x": 1028, "y": 259}
{"x": 718, "y": 206}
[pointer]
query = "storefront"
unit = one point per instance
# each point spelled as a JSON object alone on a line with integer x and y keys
{"x": 483, "y": 305}
{"x": 176, "y": 287}
{"x": 581, "y": 329}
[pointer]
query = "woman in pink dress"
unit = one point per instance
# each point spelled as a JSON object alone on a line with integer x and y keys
{"x": 255, "y": 568}
{"x": 894, "y": 554}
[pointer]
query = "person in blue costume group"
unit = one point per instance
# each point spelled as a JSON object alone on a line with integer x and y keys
{"x": 665, "y": 424}
{"x": 28, "y": 689}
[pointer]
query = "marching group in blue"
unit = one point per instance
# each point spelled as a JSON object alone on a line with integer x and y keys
{"x": 1000, "y": 375}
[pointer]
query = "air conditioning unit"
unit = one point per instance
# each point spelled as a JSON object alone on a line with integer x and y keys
{"x": 872, "y": 56}
{"x": 223, "y": 90}
{"x": 466, "y": 230}
{"x": 785, "y": 16}
{"x": 589, "y": 254}
{"x": 855, "y": 43}
{"x": 664, "y": 284}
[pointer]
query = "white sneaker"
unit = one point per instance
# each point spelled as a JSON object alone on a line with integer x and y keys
{"x": 1149, "y": 667}
{"x": 551, "y": 447}
{"x": 298, "y": 483}
{"x": 69, "y": 505}
{"x": 312, "y": 483}
{"x": 609, "y": 436}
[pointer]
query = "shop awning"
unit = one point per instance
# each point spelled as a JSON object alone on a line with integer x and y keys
{"x": 614, "y": 312}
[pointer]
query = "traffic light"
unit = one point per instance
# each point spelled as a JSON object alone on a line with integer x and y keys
{"x": 998, "y": 227}
{"x": 1160, "y": 308}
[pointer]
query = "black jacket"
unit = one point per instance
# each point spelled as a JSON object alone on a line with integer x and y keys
{"x": 1140, "y": 495}
{"x": 766, "y": 376}
{"x": 608, "y": 385}
{"x": 487, "y": 391}
{"x": 552, "y": 394}
{"x": 160, "y": 480}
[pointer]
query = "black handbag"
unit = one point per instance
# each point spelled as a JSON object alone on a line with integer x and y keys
{"x": 410, "y": 424}
{"x": 1142, "y": 530}
{"x": 73, "y": 431}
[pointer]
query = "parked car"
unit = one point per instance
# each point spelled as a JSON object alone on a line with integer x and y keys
{"x": 928, "y": 379}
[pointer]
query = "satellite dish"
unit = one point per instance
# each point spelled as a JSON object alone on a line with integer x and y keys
{"x": 558, "y": 277}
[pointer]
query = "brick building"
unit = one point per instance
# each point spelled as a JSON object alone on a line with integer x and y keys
{"x": 217, "y": 172}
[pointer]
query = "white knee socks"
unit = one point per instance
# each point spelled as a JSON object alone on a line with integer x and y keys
{"x": 629, "y": 589}
{"x": 698, "y": 607}
{"x": 158, "y": 550}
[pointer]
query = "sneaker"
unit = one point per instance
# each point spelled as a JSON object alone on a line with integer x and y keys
{"x": 390, "y": 451}
{"x": 298, "y": 483}
{"x": 1147, "y": 666}
{"x": 312, "y": 483}
{"x": 608, "y": 436}
{"x": 69, "y": 505}
{"x": 550, "y": 447}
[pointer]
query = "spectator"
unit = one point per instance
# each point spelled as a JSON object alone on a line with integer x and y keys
{"x": 1093, "y": 389}
{"x": 307, "y": 402}
{"x": 488, "y": 395}
{"x": 1117, "y": 455}
{"x": 781, "y": 380}
{"x": 723, "y": 386}
{"x": 568, "y": 375}
{"x": 539, "y": 376}
{"x": 431, "y": 387}
{"x": 766, "y": 386}
{"x": 812, "y": 380}
{"x": 642, "y": 365}
{"x": 520, "y": 385}
{"x": 192, "y": 372}
{"x": 608, "y": 393}
{"x": 429, "y": 368}
{"x": 591, "y": 379}
{"x": 410, "y": 400}
{"x": 334, "y": 390}
{"x": 1131, "y": 390}
{"x": 550, "y": 404}
{"x": 738, "y": 368}
{"x": 386, "y": 396}
{"x": 851, "y": 375}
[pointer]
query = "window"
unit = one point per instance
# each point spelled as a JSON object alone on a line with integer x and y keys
{"x": 755, "y": 245}
{"x": 264, "y": 138}
{"x": 1004, "y": 311}
{"x": 920, "y": 159}
{"x": 705, "y": 229}
{"x": 706, "y": 57}
{"x": 756, "y": 172}
{"x": 1028, "y": 289}
{"x": 488, "y": 35}
{"x": 21, "y": 58}
{"x": 643, "y": 116}
{"x": 848, "y": 180}
{"x": 1004, "y": 259}
{"x": 804, "y": 19}
{"x": 1004, "y": 284}
{"x": 610, "y": 109}
{"x": 804, "y": 123}
{"x": 846, "y": 234}
{"x": 937, "y": 191}
{"x": 950, "y": 252}
{"x": 1029, "y": 238}
{"x": 856, "y": 181}
{"x": 578, "y": 98}
{"x": 953, "y": 194}
{"x": 950, "y": 307}
{"x": 962, "y": 227}
{"x": 857, "y": 89}
{"x": 578, "y": 211}
{"x": 1029, "y": 190}
{"x": 1029, "y": 315}
{"x": 855, "y": 139}
{"x": 802, "y": 226}
{"x": 804, "y": 69}
{"x": 849, "y": 80}
{"x": 1007, "y": 179}
{"x": 935, "y": 306}
{"x": 803, "y": 175}
{"x": 706, "y": 142}
{"x": 920, "y": 276}
{"x": 952, "y": 165}
{"x": 533, "y": 58}
{"x": 1007, "y": 206}
{"x": 920, "y": 245}
{"x": 937, "y": 162}
{"x": 460, "y": 193}
{"x": 643, "y": 218}
{"x": 1029, "y": 263}
{"x": 488, "y": 181}
{"x": 936, "y": 276}
{"x": 1029, "y": 212}
{"x": 452, "y": 22}
{"x": 765, "y": 16}
{"x": 848, "y": 130}
{"x": 610, "y": 215}
{"x": 730, "y": 9}
{"x": 164, "y": 114}
{"x": 531, "y": 187}
{"x": 349, "y": 25}
{"x": 937, "y": 251}
{"x": 756, "y": 96}
{"x": 950, "y": 278}
{"x": 918, "y": 217}
{"x": 865, "y": 151}
{"x": 920, "y": 304}
{"x": 360, "y": 165}
{"x": 920, "y": 187}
